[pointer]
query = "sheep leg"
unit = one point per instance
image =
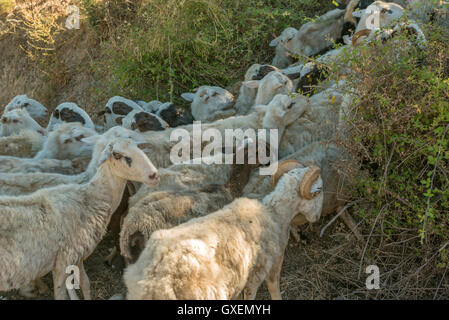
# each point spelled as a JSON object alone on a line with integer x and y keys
{"x": 84, "y": 282}
{"x": 41, "y": 286}
{"x": 250, "y": 290}
{"x": 294, "y": 233}
{"x": 59, "y": 277}
{"x": 349, "y": 10}
{"x": 349, "y": 221}
{"x": 249, "y": 294}
{"x": 298, "y": 220}
{"x": 274, "y": 277}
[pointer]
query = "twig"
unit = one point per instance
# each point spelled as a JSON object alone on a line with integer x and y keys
{"x": 337, "y": 215}
{"x": 431, "y": 183}
{"x": 441, "y": 281}
{"x": 403, "y": 201}
{"x": 367, "y": 241}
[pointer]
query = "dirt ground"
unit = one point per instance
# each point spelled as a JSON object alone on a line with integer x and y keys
{"x": 314, "y": 269}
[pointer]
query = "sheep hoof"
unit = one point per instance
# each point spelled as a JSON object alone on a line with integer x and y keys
{"x": 295, "y": 234}
{"x": 108, "y": 260}
{"x": 28, "y": 292}
{"x": 41, "y": 287}
{"x": 349, "y": 221}
{"x": 33, "y": 289}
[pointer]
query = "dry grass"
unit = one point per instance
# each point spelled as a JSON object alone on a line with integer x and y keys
{"x": 46, "y": 61}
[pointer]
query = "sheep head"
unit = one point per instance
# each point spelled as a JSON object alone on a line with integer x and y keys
{"x": 282, "y": 111}
{"x": 17, "y": 120}
{"x": 127, "y": 161}
{"x": 378, "y": 15}
{"x": 308, "y": 182}
{"x": 33, "y": 107}
{"x": 275, "y": 82}
{"x": 207, "y": 101}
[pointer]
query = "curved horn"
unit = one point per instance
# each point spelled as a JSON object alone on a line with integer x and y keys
{"x": 349, "y": 10}
{"x": 358, "y": 34}
{"x": 283, "y": 167}
{"x": 309, "y": 178}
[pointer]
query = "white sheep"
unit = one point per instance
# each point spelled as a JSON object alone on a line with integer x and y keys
{"x": 25, "y": 183}
{"x": 20, "y": 165}
{"x": 143, "y": 121}
{"x": 209, "y": 101}
{"x": 116, "y": 109}
{"x": 20, "y": 135}
{"x": 230, "y": 251}
{"x": 57, "y": 228}
{"x": 275, "y": 82}
{"x": 166, "y": 209}
{"x": 283, "y": 58}
{"x": 66, "y": 142}
{"x": 377, "y": 15}
{"x": 61, "y": 146}
{"x": 17, "y": 120}
{"x": 35, "y": 109}
{"x": 320, "y": 121}
{"x": 247, "y": 95}
{"x": 185, "y": 191}
{"x": 25, "y": 144}
{"x": 312, "y": 38}
{"x": 279, "y": 113}
{"x": 69, "y": 112}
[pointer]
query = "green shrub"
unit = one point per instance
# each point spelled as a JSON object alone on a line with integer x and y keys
{"x": 399, "y": 134}
{"x": 170, "y": 46}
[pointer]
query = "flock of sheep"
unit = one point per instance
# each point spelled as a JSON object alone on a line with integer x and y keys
{"x": 186, "y": 231}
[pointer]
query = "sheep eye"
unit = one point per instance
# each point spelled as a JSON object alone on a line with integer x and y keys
{"x": 117, "y": 155}
{"x": 290, "y": 106}
{"x": 15, "y": 121}
{"x": 128, "y": 161}
{"x": 26, "y": 104}
{"x": 214, "y": 94}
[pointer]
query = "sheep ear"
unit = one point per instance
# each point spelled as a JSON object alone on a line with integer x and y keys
{"x": 274, "y": 42}
{"x": 106, "y": 154}
{"x": 261, "y": 109}
{"x": 358, "y": 14}
{"x": 145, "y": 147}
{"x": 254, "y": 84}
{"x": 188, "y": 96}
{"x": 92, "y": 139}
